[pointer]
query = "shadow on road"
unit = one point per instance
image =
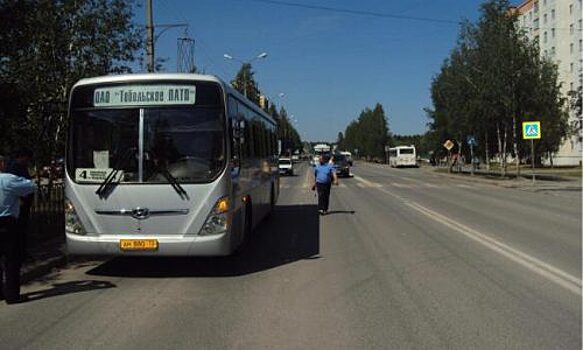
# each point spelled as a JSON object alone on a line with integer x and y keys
{"x": 68, "y": 288}
{"x": 291, "y": 234}
{"x": 332, "y": 212}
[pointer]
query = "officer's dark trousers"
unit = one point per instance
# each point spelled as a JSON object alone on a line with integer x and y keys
{"x": 10, "y": 259}
{"x": 22, "y": 226}
{"x": 323, "y": 195}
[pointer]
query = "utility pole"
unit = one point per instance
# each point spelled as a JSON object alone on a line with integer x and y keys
{"x": 150, "y": 30}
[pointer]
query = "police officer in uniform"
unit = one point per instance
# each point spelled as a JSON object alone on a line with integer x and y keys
{"x": 19, "y": 166}
{"x": 12, "y": 189}
{"x": 324, "y": 175}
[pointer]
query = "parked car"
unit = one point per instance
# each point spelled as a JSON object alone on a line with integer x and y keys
{"x": 286, "y": 166}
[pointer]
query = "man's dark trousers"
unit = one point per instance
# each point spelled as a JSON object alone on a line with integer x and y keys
{"x": 22, "y": 224}
{"x": 323, "y": 195}
{"x": 10, "y": 259}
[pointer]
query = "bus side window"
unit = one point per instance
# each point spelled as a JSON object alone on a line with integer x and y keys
{"x": 264, "y": 137}
{"x": 260, "y": 138}
{"x": 273, "y": 141}
{"x": 232, "y": 125}
{"x": 248, "y": 145}
{"x": 232, "y": 107}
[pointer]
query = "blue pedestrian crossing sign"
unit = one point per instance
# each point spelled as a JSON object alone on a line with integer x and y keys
{"x": 531, "y": 130}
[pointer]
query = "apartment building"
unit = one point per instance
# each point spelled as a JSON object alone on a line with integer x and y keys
{"x": 557, "y": 25}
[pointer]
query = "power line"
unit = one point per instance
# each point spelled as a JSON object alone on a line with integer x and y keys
{"x": 356, "y": 12}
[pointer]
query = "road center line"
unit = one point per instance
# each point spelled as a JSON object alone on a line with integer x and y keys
{"x": 553, "y": 274}
{"x": 548, "y": 271}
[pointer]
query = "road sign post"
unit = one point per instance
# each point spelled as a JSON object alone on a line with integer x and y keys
{"x": 531, "y": 131}
{"x": 532, "y": 158}
{"x": 472, "y": 159}
{"x": 472, "y": 142}
{"x": 386, "y": 154}
{"x": 448, "y": 145}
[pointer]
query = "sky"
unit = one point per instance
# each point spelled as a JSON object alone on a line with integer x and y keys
{"x": 329, "y": 64}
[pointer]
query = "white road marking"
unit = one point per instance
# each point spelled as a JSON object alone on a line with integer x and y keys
{"x": 366, "y": 182}
{"x": 464, "y": 186}
{"x": 395, "y": 184}
{"x": 551, "y": 273}
{"x": 427, "y": 184}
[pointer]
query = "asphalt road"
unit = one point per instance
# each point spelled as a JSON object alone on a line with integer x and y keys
{"x": 405, "y": 260}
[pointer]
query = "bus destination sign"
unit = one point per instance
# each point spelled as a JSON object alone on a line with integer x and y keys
{"x": 140, "y": 95}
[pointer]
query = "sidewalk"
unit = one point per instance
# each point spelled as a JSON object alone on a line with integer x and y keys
{"x": 545, "y": 179}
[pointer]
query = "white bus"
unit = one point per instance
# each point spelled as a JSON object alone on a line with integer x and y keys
{"x": 402, "y": 156}
{"x": 319, "y": 150}
{"x": 166, "y": 164}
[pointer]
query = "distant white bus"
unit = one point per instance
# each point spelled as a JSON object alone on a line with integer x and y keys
{"x": 402, "y": 156}
{"x": 319, "y": 150}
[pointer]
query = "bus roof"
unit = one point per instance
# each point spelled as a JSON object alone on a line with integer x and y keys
{"x": 147, "y": 76}
{"x": 128, "y": 78}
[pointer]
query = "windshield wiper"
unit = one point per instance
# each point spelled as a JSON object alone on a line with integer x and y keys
{"x": 174, "y": 183}
{"x": 104, "y": 186}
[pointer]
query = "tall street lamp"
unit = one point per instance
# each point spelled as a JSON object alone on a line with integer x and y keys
{"x": 231, "y": 58}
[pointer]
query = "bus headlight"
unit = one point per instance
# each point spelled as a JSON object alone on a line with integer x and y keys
{"x": 72, "y": 223}
{"x": 219, "y": 218}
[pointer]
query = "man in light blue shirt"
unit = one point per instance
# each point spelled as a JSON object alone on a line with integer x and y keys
{"x": 324, "y": 174}
{"x": 12, "y": 189}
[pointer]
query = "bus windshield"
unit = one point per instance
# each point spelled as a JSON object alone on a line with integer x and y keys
{"x": 185, "y": 141}
{"x": 407, "y": 151}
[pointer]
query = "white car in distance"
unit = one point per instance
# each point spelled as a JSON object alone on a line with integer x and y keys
{"x": 286, "y": 166}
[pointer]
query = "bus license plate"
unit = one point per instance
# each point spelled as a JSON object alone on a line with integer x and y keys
{"x": 138, "y": 244}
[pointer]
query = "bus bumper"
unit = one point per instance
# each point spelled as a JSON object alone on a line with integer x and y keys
{"x": 171, "y": 245}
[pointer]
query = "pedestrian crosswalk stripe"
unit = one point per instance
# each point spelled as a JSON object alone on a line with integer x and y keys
{"x": 366, "y": 182}
{"x": 464, "y": 186}
{"x": 395, "y": 184}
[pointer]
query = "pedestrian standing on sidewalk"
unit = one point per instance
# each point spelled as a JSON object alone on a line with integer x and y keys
{"x": 12, "y": 189}
{"x": 324, "y": 175}
{"x": 18, "y": 166}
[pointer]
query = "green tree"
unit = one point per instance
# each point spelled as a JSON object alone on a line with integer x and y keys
{"x": 340, "y": 140}
{"x": 47, "y": 46}
{"x": 369, "y": 133}
{"x": 245, "y": 83}
{"x": 493, "y": 80}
